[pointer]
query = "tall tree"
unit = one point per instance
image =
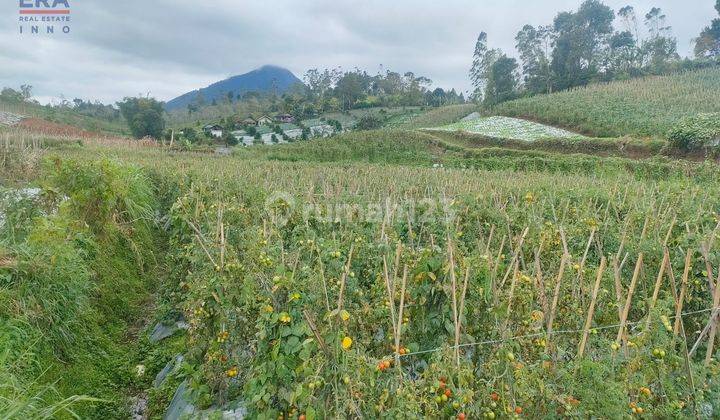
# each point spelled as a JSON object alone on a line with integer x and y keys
{"x": 483, "y": 58}
{"x": 660, "y": 49}
{"x": 581, "y": 38}
{"x": 26, "y": 91}
{"x": 477, "y": 71}
{"x": 533, "y": 46}
{"x": 144, "y": 116}
{"x": 630, "y": 21}
{"x": 351, "y": 88}
{"x": 707, "y": 45}
{"x": 502, "y": 81}
{"x": 622, "y": 55}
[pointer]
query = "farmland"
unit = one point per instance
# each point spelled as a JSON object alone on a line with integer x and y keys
{"x": 511, "y": 128}
{"x": 348, "y": 277}
{"x": 646, "y": 107}
{"x": 452, "y": 212}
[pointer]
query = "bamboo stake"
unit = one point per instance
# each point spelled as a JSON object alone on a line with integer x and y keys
{"x": 587, "y": 249}
{"x": 656, "y": 291}
{"x": 644, "y": 229}
{"x": 541, "y": 282}
{"x": 493, "y": 277}
{"x": 513, "y": 283}
{"x": 315, "y": 332}
{"x": 617, "y": 272}
{"x": 556, "y": 295}
{"x": 669, "y": 232}
{"x": 628, "y": 300}
{"x": 591, "y": 310}
{"x": 391, "y": 299}
{"x": 458, "y": 325}
{"x": 324, "y": 281}
{"x": 713, "y": 322}
{"x": 688, "y": 370}
{"x": 683, "y": 289}
{"x": 343, "y": 279}
{"x": 453, "y": 285}
{"x": 398, "y": 331}
{"x": 490, "y": 238}
{"x": 516, "y": 255}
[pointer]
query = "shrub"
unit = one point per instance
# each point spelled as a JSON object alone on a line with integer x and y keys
{"x": 368, "y": 122}
{"x": 694, "y": 133}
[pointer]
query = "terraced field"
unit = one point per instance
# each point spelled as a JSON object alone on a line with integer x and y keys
{"x": 647, "y": 107}
{"x": 511, "y": 128}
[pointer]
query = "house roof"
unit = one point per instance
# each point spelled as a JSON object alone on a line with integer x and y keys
{"x": 288, "y": 127}
{"x": 239, "y": 133}
{"x": 263, "y": 129}
{"x": 314, "y": 122}
{"x": 212, "y": 127}
{"x": 284, "y": 116}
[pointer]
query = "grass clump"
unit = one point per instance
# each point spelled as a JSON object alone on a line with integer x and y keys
{"x": 72, "y": 285}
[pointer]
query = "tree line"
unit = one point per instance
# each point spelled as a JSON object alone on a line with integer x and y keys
{"x": 591, "y": 44}
{"x": 334, "y": 89}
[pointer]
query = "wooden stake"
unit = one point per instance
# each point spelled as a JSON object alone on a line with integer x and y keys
{"x": 516, "y": 255}
{"x": 656, "y": 291}
{"x": 556, "y": 295}
{"x": 585, "y": 254}
{"x": 713, "y": 322}
{"x": 591, "y": 310}
{"x": 315, "y": 332}
{"x": 453, "y": 286}
{"x": 617, "y": 273}
{"x": 391, "y": 298}
{"x": 541, "y": 283}
{"x": 683, "y": 289}
{"x": 628, "y": 300}
{"x": 513, "y": 283}
{"x": 398, "y": 331}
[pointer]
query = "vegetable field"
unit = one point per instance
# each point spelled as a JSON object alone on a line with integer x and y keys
{"x": 515, "y": 297}
{"x": 511, "y": 128}
{"x": 639, "y": 107}
{"x": 332, "y": 285}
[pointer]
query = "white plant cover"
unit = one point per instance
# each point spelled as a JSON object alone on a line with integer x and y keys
{"x": 511, "y": 128}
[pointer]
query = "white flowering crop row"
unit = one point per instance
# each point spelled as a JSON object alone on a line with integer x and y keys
{"x": 511, "y": 128}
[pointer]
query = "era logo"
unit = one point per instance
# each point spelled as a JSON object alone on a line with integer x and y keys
{"x": 44, "y": 3}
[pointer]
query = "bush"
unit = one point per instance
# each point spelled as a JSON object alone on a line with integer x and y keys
{"x": 368, "y": 122}
{"x": 695, "y": 133}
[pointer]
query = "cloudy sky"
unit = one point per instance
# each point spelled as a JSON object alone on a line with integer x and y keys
{"x": 168, "y": 47}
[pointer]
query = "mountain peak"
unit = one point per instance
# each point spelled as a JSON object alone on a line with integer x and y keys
{"x": 262, "y": 80}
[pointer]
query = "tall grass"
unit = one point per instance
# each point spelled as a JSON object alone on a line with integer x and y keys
{"x": 71, "y": 283}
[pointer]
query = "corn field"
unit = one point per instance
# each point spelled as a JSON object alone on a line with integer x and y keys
{"x": 647, "y": 107}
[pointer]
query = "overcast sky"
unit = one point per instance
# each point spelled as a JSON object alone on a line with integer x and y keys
{"x": 168, "y": 47}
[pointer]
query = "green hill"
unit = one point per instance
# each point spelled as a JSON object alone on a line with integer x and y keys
{"x": 68, "y": 116}
{"x": 645, "y": 107}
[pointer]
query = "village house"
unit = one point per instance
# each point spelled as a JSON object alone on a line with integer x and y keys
{"x": 284, "y": 118}
{"x": 264, "y": 120}
{"x": 257, "y": 120}
{"x": 213, "y": 130}
{"x": 249, "y": 121}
